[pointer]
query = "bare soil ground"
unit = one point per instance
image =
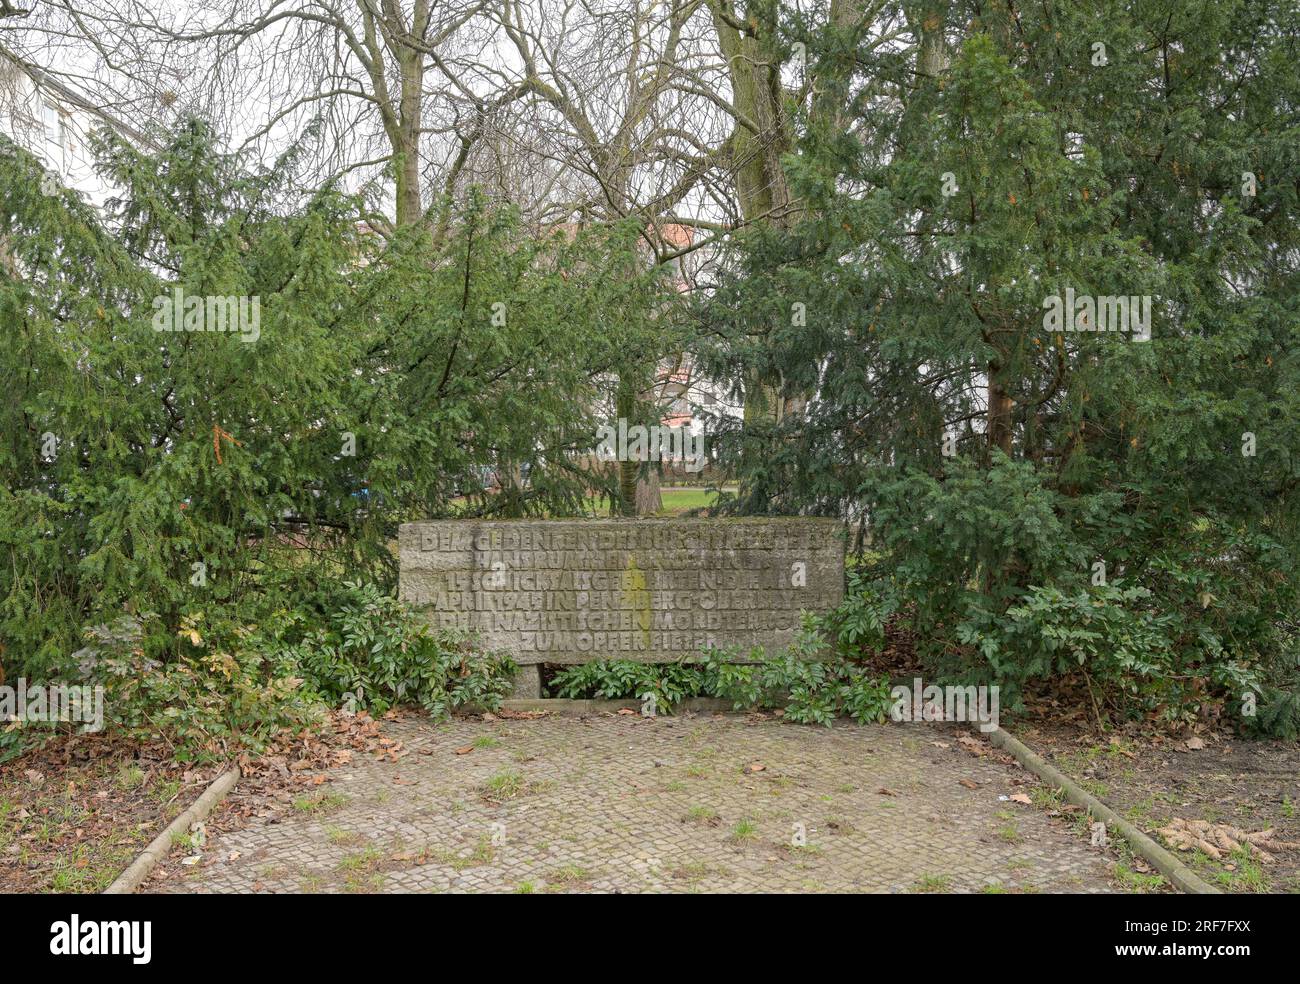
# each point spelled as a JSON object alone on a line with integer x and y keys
{"x": 1155, "y": 779}
{"x": 75, "y": 812}
{"x": 291, "y": 777}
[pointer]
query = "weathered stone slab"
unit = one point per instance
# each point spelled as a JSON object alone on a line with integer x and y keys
{"x": 651, "y": 590}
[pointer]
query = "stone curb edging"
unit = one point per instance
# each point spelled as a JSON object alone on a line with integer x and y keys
{"x": 139, "y": 869}
{"x": 1182, "y": 877}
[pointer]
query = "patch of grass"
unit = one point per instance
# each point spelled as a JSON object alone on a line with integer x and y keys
{"x": 361, "y": 861}
{"x": 1140, "y": 813}
{"x": 992, "y": 889}
{"x": 320, "y": 803}
{"x": 129, "y": 777}
{"x": 486, "y": 741}
{"x": 1081, "y": 825}
{"x": 184, "y": 839}
{"x": 1097, "y": 788}
{"x": 364, "y": 883}
{"x": 337, "y": 835}
{"x": 525, "y": 888}
{"x": 1080, "y": 760}
{"x": 694, "y": 871}
{"x": 676, "y": 501}
{"x": 1135, "y": 882}
{"x": 83, "y": 871}
{"x": 1047, "y": 799}
{"x": 483, "y": 853}
{"x": 703, "y": 814}
{"x": 569, "y": 874}
{"x": 506, "y": 784}
{"x": 744, "y": 830}
{"x": 1248, "y": 877}
{"x": 933, "y": 883}
{"x": 1010, "y": 833}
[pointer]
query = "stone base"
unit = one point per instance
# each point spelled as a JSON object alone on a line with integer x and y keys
{"x": 528, "y": 683}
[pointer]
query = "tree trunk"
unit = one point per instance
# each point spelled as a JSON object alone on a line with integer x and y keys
{"x": 932, "y": 50}
{"x": 637, "y": 496}
{"x": 407, "y": 159}
{"x": 762, "y": 190}
{"x": 999, "y": 419}
{"x": 649, "y": 499}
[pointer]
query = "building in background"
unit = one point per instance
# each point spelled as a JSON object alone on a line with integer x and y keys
{"x": 679, "y": 390}
{"x": 45, "y": 117}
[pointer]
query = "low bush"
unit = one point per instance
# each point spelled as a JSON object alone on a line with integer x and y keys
{"x": 361, "y": 647}
{"x": 1174, "y": 617}
{"x": 232, "y": 684}
{"x": 811, "y": 688}
{"x": 621, "y": 679}
{"x": 220, "y": 696}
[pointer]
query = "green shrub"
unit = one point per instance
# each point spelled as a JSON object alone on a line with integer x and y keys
{"x": 234, "y": 684}
{"x": 994, "y": 571}
{"x": 669, "y": 683}
{"x": 221, "y": 695}
{"x": 364, "y": 648}
{"x": 810, "y": 688}
{"x": 858, "y": 623}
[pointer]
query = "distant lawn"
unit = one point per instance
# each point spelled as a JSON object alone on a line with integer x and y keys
{"x": 677, "y": 501}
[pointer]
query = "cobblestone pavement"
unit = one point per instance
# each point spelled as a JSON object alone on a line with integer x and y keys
{"x": 623, "y": 804}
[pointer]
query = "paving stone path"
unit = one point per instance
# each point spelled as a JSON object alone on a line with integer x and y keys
{"x": 611, "y": 803}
